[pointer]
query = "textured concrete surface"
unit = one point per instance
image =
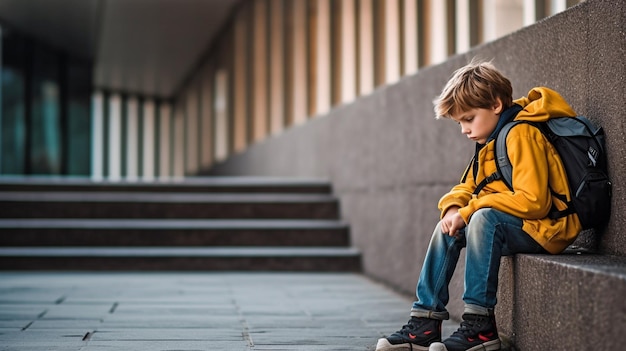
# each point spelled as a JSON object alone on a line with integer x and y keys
{"x": 186, "y": 311}
{"x": 564, "y": 302}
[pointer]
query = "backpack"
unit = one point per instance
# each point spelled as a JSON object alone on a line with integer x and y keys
{"x": 580, "y": 144}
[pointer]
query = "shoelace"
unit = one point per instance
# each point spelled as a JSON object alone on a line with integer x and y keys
{"x": 410, "y": 326}
{"x": 468, "y": 327}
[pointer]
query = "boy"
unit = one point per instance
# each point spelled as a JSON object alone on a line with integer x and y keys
{"x": 487, "y": 218}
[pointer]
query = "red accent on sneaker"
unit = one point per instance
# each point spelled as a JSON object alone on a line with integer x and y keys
{"x": 485, "y": 337}
{"x": 428, "y": 332}
{"x": 411, "y": 336}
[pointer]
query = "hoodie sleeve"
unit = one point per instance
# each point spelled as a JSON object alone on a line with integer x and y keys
{"x": 460, "y": 194}
{"x": 530, "y": 198}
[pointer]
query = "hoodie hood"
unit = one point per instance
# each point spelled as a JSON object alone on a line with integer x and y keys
{"x": 542, "y": 104}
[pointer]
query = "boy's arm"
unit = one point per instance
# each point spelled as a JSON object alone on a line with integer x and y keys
{"x": 531, "y": 197}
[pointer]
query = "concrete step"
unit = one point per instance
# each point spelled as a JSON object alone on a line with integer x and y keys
{"x": 578, "y": 299}
{"x": 188, "y": 185}
{"x": 184, "y": 258}
{"x": 172, "y": 232}
{"x": 15, "y": 204}
{"x": 198, "y": 224}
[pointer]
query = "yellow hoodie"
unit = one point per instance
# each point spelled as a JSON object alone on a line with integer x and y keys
{"x": 537, "y": 168}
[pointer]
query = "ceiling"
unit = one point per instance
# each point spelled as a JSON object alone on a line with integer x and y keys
{"x": 138, "y": 46}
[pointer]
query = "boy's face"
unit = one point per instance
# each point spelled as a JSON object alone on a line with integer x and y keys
{"x": 478, "y": 123}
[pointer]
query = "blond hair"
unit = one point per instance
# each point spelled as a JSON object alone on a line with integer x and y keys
{"x": 476, "y": 85}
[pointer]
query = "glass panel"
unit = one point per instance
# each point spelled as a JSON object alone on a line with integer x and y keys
{"x": 78, "y": 118}
{"x": 13, "y": 114}
{"x": 46, "y": 124}
{"x": 13, "y": 122}
{"x": 45, "y": 112}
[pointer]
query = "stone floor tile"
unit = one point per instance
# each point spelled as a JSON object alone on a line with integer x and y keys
{"x": 198, "y": 311}
{"x": 150, "y": 345}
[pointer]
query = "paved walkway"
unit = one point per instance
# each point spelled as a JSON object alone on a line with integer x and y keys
{"x": 196, "y": 311}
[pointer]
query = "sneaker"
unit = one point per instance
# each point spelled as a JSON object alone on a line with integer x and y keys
{"x": 476, "y": 333}
{"x": 416, "y": 335}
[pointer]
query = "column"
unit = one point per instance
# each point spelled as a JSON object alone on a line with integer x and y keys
{"x": 322, "y": 68}
{"x": 132, "y": 135}
{"x": 179, "y": 142}
{"x": 391, "y": 46}
{"x": 502, "y": 17}
{"x": 115, "y": 140}
{"x": 165, "y": 133}
{"x": 410, "y": 35}
{"x": 557, "y": 6}
{"x": 260, "y": 67}
{"x": 191, "y": 129}
{"x": 299, "y": 82}
{"x": 240, "y": 71}
{"x": 436, "y": 31}
{"x": 221, "y": 115}
{"x": 148, "y": 139}
{"x": 347, "y": 48}
{"x": 277, "y": 66}
{"x": 530, "y": 12}
{"x": 207, "y": 135}
{"x": 489, "y": 25}
{"x": 366, "y": 47}
{"x": 463, "y": 27}
{"x": 97, "y": 136}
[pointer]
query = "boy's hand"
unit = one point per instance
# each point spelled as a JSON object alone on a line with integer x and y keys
{"x": 452, "y": 221}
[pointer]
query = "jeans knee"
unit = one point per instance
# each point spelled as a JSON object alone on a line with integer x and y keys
{"x": 483, "y": 217}
{"x": 482, "y": 213}
{"x": 489, "y": 217}
{"x": 482, "y": 223}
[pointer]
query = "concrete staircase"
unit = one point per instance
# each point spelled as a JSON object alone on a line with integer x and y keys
{"x": 252, "y": 224}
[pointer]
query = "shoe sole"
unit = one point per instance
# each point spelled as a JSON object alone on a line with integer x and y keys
{"x": 384, "y": 345}
{"x": 493, "y": 345}
{"x": 437, "y": 346}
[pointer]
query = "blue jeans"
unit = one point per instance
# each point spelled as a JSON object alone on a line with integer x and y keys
{"x": 489, "y": 235}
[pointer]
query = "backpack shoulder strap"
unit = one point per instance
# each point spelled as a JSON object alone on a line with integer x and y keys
{"x": 504, "y": 170}
{"x": 467, "y": 169}
{"x": 503, "y": 164}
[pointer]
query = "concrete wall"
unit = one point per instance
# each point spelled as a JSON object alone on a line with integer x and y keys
{"x": 390, "y": 161}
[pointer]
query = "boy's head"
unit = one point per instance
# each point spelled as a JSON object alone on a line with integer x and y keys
{"x": 477, "y": 85}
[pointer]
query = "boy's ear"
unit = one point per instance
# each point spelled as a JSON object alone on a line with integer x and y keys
{"x": 498, "y": 107}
